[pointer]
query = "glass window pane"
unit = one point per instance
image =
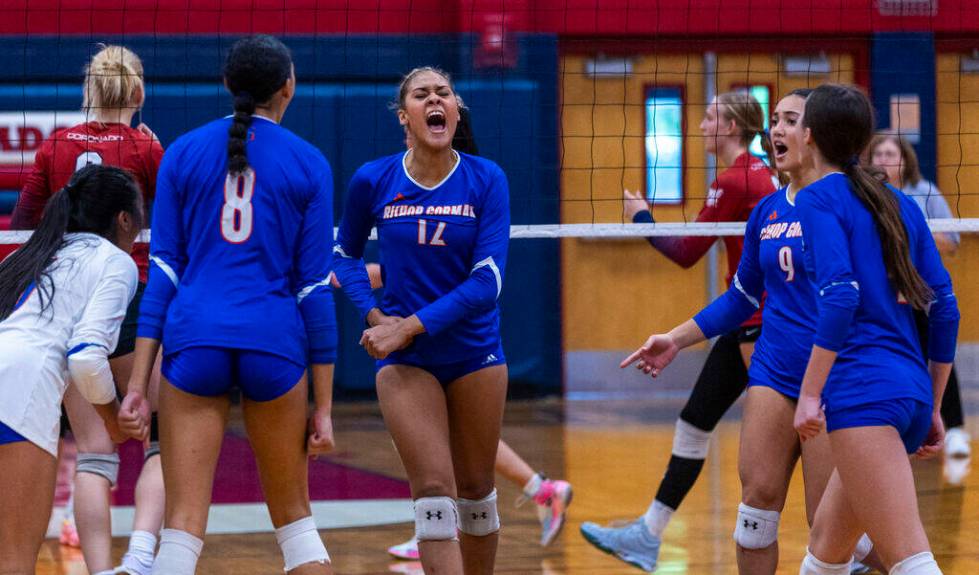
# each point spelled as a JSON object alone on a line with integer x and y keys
{"x": 664, "y": 145}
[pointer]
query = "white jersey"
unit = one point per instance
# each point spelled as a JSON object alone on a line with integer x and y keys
{"x": 93, "y": 282}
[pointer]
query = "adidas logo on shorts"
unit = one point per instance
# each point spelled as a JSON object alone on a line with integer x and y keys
{"x": 489, "y": 359}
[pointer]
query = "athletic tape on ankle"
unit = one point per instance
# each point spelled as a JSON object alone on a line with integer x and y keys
{"x": 920, "y": 564}
{"x": 864, "y": 546}
{"x": 813, "y": 566}
{"x": 479, "y": 518}
{"x": 757, "y": 528}
{"x": 102, "y": 464}
{"x": 301, "y": 543}
{"x": 689, "y": 441}
{"x": 436, "y": 519}
{"x": 178, "y": 554}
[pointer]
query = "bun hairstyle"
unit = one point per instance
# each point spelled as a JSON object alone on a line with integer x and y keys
{"x": 841, "y": 121}
{"x": 113, "y": 80}
{"x": 89, "y": 203}
{"x": 744, "y": 110}
{"x": 257, "y": 67}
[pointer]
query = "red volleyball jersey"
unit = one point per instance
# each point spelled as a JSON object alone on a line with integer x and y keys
{"x": 731, "y": 197}
{"x": 70, "y": 149}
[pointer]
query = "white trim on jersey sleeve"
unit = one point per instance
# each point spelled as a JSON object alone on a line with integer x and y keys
{"x": 751, "y": 300}
{"x": 339, "y": 251}
{"x": 491, "y": 264}
{"x": 309, "y": 289}
{"x": 855, "y": 285}
{"x": 165, "y": 268}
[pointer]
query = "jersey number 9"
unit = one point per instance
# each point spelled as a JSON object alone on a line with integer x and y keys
{"x": 236, "y": 214}
{"x": 785, "y": 262}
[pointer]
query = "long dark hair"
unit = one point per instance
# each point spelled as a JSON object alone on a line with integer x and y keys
{"x": 89, "y": 203}
{"x": 842, "y": 123}
{"x": 464, "y": 140}
{"x": 257, "y": 67}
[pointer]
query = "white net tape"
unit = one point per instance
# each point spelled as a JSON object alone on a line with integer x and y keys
{"x": 611, "y": 231}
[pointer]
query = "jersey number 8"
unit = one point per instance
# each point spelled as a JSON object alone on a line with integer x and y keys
{"x": 236, "y": 214}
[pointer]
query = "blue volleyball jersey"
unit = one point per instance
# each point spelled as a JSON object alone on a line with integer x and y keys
{"x": 772, "y": 267}
{"x": 861, "y": 317}
{"x": 242, "y": 262}
{"x": 442, "y": 249}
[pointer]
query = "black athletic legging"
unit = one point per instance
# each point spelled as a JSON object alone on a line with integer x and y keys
{"x": 722, "y": 380}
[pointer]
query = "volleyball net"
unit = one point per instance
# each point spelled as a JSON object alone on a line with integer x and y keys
{"x": 576, "y": 100}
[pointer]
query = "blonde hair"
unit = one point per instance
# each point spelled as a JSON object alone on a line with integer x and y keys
{"x": 744, "y": 110}
{"x": 113, "y": 80}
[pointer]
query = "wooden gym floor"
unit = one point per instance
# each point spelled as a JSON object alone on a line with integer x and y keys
{"x": 614, "y": 453}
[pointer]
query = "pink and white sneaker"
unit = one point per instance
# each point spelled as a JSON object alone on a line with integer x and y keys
{"x": 552, "y": 502}
{"x": 69, "y": 534}
{"x": 407, "y": 550}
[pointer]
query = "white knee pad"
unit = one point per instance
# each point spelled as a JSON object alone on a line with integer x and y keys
{"x": 301, "y": 543}
{"x": 864, "y": 547}
{"x": 757, "y": 528}
{"x": 689, "y": 441}
{"x": 921, "y": 564}
{"x": 103, "y": 464}
{"x": 178, "y": 554}
{"x": 479, "y": 518}
{"x": 813, "y": 566}
{"x": 436, "y": 519}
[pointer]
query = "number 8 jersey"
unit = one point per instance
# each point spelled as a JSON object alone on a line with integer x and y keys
{"x": 771, "y": 267}
{"x": 242, "y": 262}
{"x": 443, "y": 253}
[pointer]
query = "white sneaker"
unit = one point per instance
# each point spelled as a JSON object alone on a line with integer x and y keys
{"x": 956, "y": 469}
{"x": 957, "y": 443}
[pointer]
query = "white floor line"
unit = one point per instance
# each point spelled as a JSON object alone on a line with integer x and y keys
{"x": 254, "y": 517}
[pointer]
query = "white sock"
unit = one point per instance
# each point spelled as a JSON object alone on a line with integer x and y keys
{"x": 813, "y": 566}
{"x": 139, "y": 556}
{"x": 533, "y": 485}
{"x": 656, "y": 517}
{"x": 179, "y": 552}
{"x": 921, "y": 564}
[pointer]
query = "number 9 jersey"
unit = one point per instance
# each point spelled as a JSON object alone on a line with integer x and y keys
{"x": 771, "y": 267}
{"x": 242, "y": 262}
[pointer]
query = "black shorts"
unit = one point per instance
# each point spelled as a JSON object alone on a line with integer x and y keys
{"x": 749, "y": 334}
{"x": 127, "y": 333}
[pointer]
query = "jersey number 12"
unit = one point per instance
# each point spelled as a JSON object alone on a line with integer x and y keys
{"x": 236, "y": 213}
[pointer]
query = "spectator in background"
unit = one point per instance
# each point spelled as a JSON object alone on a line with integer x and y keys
{"x": 896, "y": 157}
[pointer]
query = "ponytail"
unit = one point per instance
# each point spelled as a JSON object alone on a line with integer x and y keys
{"x": 244, "y": 108}
{"x": 89, "y": 203}
{"x": 257, "y": 67}
{"x": 29, "y": 264}
{"x": 842, "y": 122}
{"x": 883, "y": 205}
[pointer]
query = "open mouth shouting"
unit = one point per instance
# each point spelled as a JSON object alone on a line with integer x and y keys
{"x": 436, "y": 121}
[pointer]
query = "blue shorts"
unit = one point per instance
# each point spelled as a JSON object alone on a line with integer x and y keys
{"x": 910, "y": 417}
{"x": 213, "y": 371}
{"x": 788, "y": 391}
{"x": 8, "y": 435}
{"x": 449, "y": 372}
